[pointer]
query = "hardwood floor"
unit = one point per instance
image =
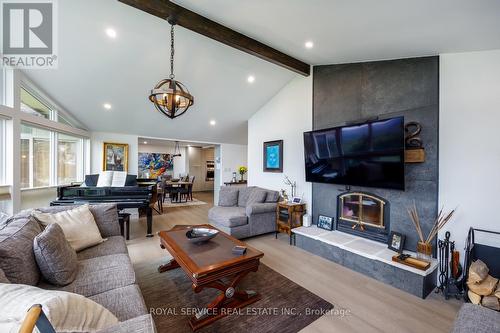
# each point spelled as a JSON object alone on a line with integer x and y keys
{"x": 369, "y": 305}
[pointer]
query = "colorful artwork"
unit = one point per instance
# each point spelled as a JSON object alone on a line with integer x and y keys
{"x": 115, "y": 156}
{"x": 153, "y": 165}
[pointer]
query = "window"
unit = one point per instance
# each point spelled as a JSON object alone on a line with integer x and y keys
{"x": 32, "y": 105}
{"x": 69, "y": 159}
{"x": 35, "y": 157}
{"x": 6, "y": 87}
{"x": 49, "y": 158}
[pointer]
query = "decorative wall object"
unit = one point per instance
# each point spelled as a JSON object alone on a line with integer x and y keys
{"x": 325, "y": 222}
{"x": 273, "y": 156}
{"x": 412, "y": 139}
{"x": 115, "y": 156}
{"x": 153, "y": 165}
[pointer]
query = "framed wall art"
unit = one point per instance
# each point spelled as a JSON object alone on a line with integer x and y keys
{"x": 115, "y": 156}
{"x": 273, "y": 156}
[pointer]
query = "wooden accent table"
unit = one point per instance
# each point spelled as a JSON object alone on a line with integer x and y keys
{"x": 212, "y": 265}
{"x": 288, "y": 216}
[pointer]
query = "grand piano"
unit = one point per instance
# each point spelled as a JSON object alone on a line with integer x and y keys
{"x": 141, "y": 196}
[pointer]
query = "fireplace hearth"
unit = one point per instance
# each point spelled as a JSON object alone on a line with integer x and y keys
{"x": 363, "y": 214}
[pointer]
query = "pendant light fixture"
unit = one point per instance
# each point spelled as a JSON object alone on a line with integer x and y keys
{"x": 169, "y": 96}
{"x": 177, "y": 150}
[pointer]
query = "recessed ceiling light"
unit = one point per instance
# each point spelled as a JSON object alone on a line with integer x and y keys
{"x": 111, "y": 33}
{"x": 213, "y": 122}
{"x": 251, "y": 79}
{"x": 145, "y": 142}
{"x": 309, "y": 44}
{"x": 107, "y": 106}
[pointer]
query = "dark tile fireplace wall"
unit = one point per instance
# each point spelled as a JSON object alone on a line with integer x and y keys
{"x": 409, "y": 87}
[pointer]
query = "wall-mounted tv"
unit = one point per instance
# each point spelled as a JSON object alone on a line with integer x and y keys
{"x": 364, "y": 154}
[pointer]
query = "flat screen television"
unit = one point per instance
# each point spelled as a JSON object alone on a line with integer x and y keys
{"x": 365, "y": 154}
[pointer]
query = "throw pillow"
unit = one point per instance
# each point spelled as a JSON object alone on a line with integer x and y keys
{"x": 17, "y": 259}
{"x": 228, "y": 197}
{"x": 243, "y": 195}
{"x": 272, "y": 196}
{"x": 55, "y": 257}
{"x": 3, "y": 219}
{"x": 78, "y": 225}
{"x": 3, "y": 278}
{"x": 256, "y": 196}
{"x": 67, "y": 312}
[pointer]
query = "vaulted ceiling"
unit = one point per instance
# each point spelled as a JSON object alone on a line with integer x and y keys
{"x": 95, "y": 69}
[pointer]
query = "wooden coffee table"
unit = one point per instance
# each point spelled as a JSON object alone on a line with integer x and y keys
{"x": 212, "y": 265}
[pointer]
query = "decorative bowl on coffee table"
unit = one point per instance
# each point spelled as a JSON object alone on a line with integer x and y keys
{"x": 201, "y": 235}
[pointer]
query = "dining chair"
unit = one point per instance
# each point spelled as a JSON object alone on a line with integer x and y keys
{"x": 190, "y": 187}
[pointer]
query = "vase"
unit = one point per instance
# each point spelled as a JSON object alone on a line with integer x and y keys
{"x": 424, "y": 251}
{"x": 241, "y": 177}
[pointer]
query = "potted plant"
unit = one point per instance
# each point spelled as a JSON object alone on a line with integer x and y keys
{"x": 242, "y": 170}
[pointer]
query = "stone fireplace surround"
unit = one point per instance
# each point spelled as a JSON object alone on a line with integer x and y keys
{"x": 346, "y": 93}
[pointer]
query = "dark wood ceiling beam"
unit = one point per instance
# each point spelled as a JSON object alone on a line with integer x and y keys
{"x": 206, "y": 27}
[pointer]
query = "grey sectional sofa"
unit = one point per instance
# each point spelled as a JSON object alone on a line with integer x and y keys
{"x": 105, "y": 273}
{"x": 245, "y": 211}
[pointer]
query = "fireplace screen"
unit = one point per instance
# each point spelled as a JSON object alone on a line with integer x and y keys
{"x": 362, "y": 209}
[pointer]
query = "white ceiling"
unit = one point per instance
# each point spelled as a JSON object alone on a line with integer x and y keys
{"x": 94, "y": 70}
{"x": 360, "y": 30}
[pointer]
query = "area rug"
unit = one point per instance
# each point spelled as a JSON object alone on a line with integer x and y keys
{"x": 285, "y": 306}
{"x": 195, "y": 202}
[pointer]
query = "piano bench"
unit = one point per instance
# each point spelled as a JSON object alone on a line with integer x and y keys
{"x": 124, "y": 221}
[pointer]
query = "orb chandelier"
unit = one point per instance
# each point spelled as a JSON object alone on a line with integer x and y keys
{"x": 169, "y": 96}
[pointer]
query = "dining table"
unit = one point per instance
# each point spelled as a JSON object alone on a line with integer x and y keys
{"x": 174, "y": 195}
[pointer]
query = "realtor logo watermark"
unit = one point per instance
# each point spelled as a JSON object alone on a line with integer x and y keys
{"x": 29, "y": 34}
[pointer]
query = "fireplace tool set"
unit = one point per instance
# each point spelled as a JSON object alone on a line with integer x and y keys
{"x": 450, "y": 269}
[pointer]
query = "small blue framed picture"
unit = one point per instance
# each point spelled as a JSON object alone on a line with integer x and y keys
{"x": 273, "y": 156}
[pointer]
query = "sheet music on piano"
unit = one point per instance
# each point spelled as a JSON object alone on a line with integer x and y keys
{"x": 119, "y": 179}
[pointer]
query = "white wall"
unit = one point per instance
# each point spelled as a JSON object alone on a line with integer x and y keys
{"x": 180, "y": 163}
{"x": 469, "y": 149}
{"x": 285, "y": 117}
{"x": 231, "y": 158}
{"x": 96, "y": 145}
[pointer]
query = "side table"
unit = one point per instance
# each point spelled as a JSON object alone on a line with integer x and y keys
{"x": 288, "y": 216}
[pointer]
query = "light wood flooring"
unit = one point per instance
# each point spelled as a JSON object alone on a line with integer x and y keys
{"x": 370, "y": 306}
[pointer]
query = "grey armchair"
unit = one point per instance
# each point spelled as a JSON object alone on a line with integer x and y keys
{"x": 245, "y": 211}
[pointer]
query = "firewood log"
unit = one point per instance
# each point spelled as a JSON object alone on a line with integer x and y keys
{"x": 478, "y": 271}
{"x": 491, "y": 302}
{"x": 474, "y": 298}
{"x": 485, "y": 288}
